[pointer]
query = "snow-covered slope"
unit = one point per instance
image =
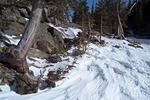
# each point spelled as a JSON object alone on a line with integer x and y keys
{"x": 103, "y": 73}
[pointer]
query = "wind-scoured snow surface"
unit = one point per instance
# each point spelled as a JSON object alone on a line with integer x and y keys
{"x": 102, "y": 73}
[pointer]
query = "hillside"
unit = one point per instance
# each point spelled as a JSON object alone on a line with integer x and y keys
{"x": 114, "y": 71}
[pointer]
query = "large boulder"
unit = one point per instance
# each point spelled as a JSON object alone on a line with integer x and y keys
{"x": 7, "y": 2}
{"x": 47, "y": 42}
{"x": 14, "y": 28}
{"x": 37, "y": 53}
{"x": 11, "y": 22}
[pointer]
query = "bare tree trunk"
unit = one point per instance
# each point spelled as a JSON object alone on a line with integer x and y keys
{"x": 30, "y": 31}
{"x": 120, "y": 28}
{"x": 82, "y": 21}
{"x": 101, "y": 28}
{"x": 132, "y": 6}
{"x": 15, "y": 57}
{"x": 89, "y": 25}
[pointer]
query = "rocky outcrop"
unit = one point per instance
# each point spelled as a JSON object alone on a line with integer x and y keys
{"x": 13, "y": 20}
{"x": 36, "y": 53}
{"x": 47, "y": 42}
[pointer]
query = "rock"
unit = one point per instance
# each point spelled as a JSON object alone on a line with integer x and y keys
{"x": 76, "y": 52}
{"x": 24, "y": 12}
{"x": 70, "y": 67}
{"x": 44, "y": 46}
{"x": 14, "y": 28}
{"x": 37, "y": 53}
{"x": 54, "y": 58}
{"x": 50, "y": 81}
{"x": 2, "y": 2}
{"x": 54, "y": 76}
{"x": 57, "y": 34}
{"x": 11, "y": 22}
{"x": 50, "y": 84}
{"x": 46, "y": 42}
{"x": 7, "y": 2}
{"x": 9, "y": 14}
{"x": 135, "y": 46}
{"x": 22, "y": 21}
{"x": 116, "y": 46}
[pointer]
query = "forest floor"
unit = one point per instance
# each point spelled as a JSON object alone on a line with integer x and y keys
{"x": 114, "y": 71}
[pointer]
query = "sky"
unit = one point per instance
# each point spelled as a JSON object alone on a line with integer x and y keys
{"x": 90, "y": 2}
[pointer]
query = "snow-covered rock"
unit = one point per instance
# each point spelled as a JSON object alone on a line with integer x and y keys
{"x": 69, "y": 33}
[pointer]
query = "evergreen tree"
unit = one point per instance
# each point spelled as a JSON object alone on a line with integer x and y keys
{"x": 103, "y": 15}
{"x": 81, "y": 13}
{"x": 106, "y": 15}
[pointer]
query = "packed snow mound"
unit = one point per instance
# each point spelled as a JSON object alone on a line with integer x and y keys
{"x": 69, "y": 33}
{"x": 115, "y": 71}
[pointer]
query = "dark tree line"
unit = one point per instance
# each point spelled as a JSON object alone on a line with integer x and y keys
{"x": 113, "y": 16}
{"x": 139, "y": 18}
{"x": 107, "y": 16}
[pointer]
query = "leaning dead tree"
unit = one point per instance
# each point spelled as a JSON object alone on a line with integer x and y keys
{"x": 101, "y": 28}
{"x": 15, "y": 57}
{"x": 120, "y": 31}
{"x": 132, "y": 6}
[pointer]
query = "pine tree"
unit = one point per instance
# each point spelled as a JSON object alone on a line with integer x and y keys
{"x": 108, "y": 14}
{"x": 81, "y": 14}
{"x": 103, "y": 15}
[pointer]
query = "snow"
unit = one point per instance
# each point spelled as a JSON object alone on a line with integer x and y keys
{"x": 13, "y": 39}
{"x": 69, "y": 33}
{"x": 102, "y": 73}
{"x": 39, "y": 66}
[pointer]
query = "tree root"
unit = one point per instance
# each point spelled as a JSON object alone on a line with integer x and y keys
{"x": 20, "y": 65}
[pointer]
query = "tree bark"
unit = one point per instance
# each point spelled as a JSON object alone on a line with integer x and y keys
{"x": 30, "y": 31}
{"x": 120, "y": 28}
{"x": 101, "y": 28}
